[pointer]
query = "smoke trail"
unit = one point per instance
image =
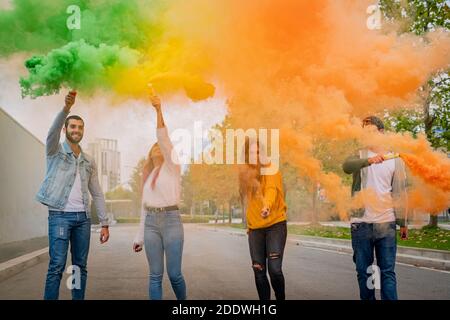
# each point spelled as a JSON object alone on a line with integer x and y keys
{"x": 170, "y": 66}
{"x": 77, "y": 65}
{"x": 435, "y": 173}
{"x": 312, "y": 69}
{"x": 39, "y": 26}
{"x": 430, "y": 189}
{"x": 114, "y": 34}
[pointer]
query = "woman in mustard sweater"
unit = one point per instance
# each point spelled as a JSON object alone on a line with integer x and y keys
{"x": 266, "y": 222}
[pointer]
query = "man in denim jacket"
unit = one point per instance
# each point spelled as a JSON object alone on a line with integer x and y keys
{"x": 71, "y": 176}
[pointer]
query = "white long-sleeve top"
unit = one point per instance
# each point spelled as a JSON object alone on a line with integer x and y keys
{"x": 168, "y": 184}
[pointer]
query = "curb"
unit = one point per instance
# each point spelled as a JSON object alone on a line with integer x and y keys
{"x": 429, "y": 258}
{"x": 419, "y": 257}
{"x": 17, "y": 265}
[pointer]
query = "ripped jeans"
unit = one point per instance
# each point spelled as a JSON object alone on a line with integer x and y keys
{"x": 65, "y": 228}
{"x": 266, "y": 250}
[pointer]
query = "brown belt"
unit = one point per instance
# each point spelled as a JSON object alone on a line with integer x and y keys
{"x": 159, "y": 210}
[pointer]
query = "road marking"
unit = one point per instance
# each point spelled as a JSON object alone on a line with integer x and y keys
{"x": 424, "y": 268}
{"x": 397, "y": 263}
{"x": 326, "y": 250}
{"x": 297, "y": 243}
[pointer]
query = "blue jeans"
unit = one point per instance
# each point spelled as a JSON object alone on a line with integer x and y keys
{"x": 381, "y": 237}
{"x": 65, "y": 227}
{"x": 164, "y": 234}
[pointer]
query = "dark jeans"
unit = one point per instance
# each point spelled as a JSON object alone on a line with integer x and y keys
{"x": 381, "y": 237}
{"x": 266, "y": 250}
{"x": 65, "y": 227}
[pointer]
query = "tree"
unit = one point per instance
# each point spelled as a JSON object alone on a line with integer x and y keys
{"x": 432, "y": 118}
{"x": 215, "y": 183}
{"x": 119, "y": 193}
{"x": 437, "y": 111}
{"x": 420, "y": 17}
{"x": 331, "y": 153}
{"x": 417, "y": 16}
{"x": 136, "y": 183}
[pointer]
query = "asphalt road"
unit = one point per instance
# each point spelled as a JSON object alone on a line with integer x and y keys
{"x": 216, "y": 265}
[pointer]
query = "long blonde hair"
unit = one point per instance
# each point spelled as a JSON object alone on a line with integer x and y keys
{"x": 250, "y": 176}
{"x": 148, "y": 165}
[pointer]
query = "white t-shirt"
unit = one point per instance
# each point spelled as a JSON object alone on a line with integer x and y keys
{"x": 167, "y": 187}
{"x": 168, "y": 184}
{"x": 75, "y": 200}
{"x": 379, "y": 180}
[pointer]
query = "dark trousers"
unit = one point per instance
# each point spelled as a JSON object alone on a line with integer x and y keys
{"x": 266, "y": 250}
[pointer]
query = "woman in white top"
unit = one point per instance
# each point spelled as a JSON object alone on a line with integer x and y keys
{"x": 161, "y": 231}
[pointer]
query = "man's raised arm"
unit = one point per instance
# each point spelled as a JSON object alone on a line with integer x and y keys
{"x": 52, "y": 143}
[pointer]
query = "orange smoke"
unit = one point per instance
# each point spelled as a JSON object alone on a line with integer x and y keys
{"x": 312, "y": 69}
{"x": 429, "y": 188}
{"x": 436, "y": 173}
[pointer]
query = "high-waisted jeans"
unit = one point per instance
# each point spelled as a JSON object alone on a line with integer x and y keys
{"x": 164, "y": 235}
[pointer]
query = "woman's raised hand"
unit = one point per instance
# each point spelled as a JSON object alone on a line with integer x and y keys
{"x": 156, "y": 102}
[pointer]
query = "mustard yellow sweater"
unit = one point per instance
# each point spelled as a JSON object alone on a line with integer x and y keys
{"x": 272, "y": 197}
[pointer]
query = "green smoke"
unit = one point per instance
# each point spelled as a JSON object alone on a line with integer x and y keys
{"x": 111, "y": 32}
{"x": 39, "y": 26}
{"x": 113, "y": 35}
{"x": 78, "y": 65}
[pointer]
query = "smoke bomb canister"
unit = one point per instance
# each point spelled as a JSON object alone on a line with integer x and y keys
{"x": 391, "y": 156}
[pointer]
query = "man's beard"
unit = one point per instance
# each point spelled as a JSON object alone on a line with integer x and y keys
{"x": 72, "y": 140}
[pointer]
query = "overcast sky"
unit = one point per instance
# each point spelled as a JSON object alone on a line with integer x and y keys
{"x": 132, "y": 122}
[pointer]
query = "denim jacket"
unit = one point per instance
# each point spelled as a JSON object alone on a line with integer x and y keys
{"x": 61, "y": 171}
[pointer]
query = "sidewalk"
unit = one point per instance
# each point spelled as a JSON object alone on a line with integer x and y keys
{"x": 429, "y": 258}
{"x": 18, "y": 256}
{"x": 344, "y": 224}
{"x": 16, "y": 249}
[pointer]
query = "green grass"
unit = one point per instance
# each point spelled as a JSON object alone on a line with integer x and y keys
{"x": 430, "y": 238}
{"x": 128, "y": 219}
{"x": 195, "y": 219}
{"x": 320, "y": 231}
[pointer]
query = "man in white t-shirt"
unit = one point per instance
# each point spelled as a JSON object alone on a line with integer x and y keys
{"x": 70, "y": 182}
{"x": 381, "y": 175}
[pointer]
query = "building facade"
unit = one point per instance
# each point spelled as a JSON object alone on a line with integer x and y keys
{"x": 22, "y": 170}
{"x": 107, "y": 157}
